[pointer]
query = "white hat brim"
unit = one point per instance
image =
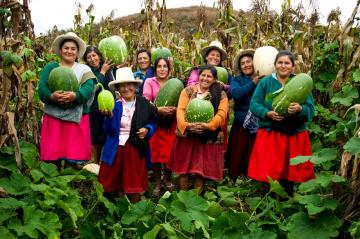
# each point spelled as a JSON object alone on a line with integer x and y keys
{"x": 59, "y": 39}
{"x": 238, "y": 57}
{"x": 205, "y": 50}
{"x": 112, "y": 84}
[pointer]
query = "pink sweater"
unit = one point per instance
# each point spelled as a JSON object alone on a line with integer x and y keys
{"x": 151, "y": 89}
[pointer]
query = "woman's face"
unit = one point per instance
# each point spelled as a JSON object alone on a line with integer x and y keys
{"x": 162, "y": 70}
{"x": 246, "y": 65}
{"x": 283, "y": 66}
{"x": 69, "y": 51}
{"x": 127, "y": 90}
{"x": 93, "y": 59}
{"x": 213, "y": 57}
{"x": 143, "y": 61}
{"x": 206, "y": 79}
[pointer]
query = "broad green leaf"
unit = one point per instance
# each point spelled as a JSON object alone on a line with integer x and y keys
{"x": 153, "y": 232}
{"x": 10, "y": 203}
{"x": 36, "y": 175}
{"x": 137, "y": 211}
{"x": 199, "y": 225}
{"x": 49, "y": 169}
{"x": 230, "y": 225}
{"x": 6, "y": 214}
{"x": 8, "y": 162}
{"x": 324, "y": 226}
{"x": 356, "y": 75}
{"x": 355, "y": 229}
{"x": 253, "y": 202}
{"x": 346, "y": 96}
{"x": 90, "y": 230}
{"x": 210, "y": 196}
{"x": 322, "y": 180}
{"x": 277, "y": 188}
{"x": 5, "y": 233}
{"x": 29, "y": 153}
{"x": 324, "y": 155}
{"x": 72, "y": 206}
{"x": 353, "y": 146}
{"x": 224, "y": 192}
{"x": 299, "y": 159}
{"x": 258, "y": 233}
{"x": 170, "y": 231}
{"x": 17, "y": 184}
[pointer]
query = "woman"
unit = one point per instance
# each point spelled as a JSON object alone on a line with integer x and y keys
{"x": 164, "y": 136}
{"x": 242, "y": 87}
{"x": 143, "y": 60}
{"x": 280, "y": 138}
{"x": 198, "y": 147}
{"x": 65, "y": 132}
{"x": 128, "y": 128}
{"x": 104, "y": 75}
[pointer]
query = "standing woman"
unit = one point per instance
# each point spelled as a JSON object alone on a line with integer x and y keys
{"x": 128, "y": 128}
{"x": 280, "y": 138}
{"x": 242, "y": 87}
{"x": 164, "y": 137}
{"x": 143, "y": 60}
{"x": 104, "y": 75}
{"x": 198, "y": 147}
{"x": 65, "y": 132}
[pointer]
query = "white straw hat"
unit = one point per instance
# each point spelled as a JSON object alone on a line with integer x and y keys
{"x": 214, "y": 45}
{"x": 238, "y": 56}
{"x": 71, "y": 36}
{"x": 123, "y": 75}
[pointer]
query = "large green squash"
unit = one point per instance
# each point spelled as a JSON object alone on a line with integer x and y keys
{"x": 296, "y": 89}
{"x": 160, "y": 52}
{"x": 105, "y": 99}
{"x": 114, "y": 48}
{"x": 63, "y": 78}
{"x": 199, "y": 111}
{"x": 222, "y": 74}
{"x": 169, "y": 93}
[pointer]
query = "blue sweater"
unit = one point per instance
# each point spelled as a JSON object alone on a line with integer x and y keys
{"x": 241, "y": 88}
{"x": 112, "y": 130}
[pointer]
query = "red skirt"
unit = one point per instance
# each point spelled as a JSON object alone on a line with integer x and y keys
{"x": 128, "y": 172}
{"x": 161, "y": 143}
{"x": 64, "y": 139}
{"x": 271, "y": 156}
{"x": 239, "y": 150}
{"x": 190, "y": 156}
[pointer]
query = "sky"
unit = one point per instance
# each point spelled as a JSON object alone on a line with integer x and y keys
{"x": 46, "y": 14}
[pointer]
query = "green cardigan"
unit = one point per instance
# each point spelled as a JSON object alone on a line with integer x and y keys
{"x": 84, "y": 93}
{"x": 259, "y": 106}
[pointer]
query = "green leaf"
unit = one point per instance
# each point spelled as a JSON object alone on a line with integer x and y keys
{"x": 322, "y": 180}
{"x": 277, "y": 188}
{"x": 258, "y": 233}
{"x": 5, "y": 233}
{"x": 210, "y": 196}
{"x": 36, "y": 175}
{"x": 170, "y": 231}
{"x": 224, "y": 192}
{"x": 324, "y": 155}
{"x": 10, "y": 203}
{"x": 137, "y": 211}
{"x": 49, "y": 169}
{"x": 199, "y": 225}
{"x": 6, "y": 214}
{"x": 324, "y": 226}
{"x": 353, "y": 146}
{"x": 17, "y": 184}
{"x": 152, "y": 233}
{"x": 346, "y": 96}
{"x": 299, "y": 159}
{"x": 230, "y": 225}
{"x": 356, "y": 75}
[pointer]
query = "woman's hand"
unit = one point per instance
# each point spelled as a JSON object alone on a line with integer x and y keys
{"x": 274, "y": 116}
{"x": 256, "y": 79}
{"x": 57, "y": 97}
{"x": 294, "y": 108}
{"x": 68, "y": 96}
{"x": 142, "y": 132}
{"x": 105, "y": 67}
{"x": 166, "y": 111}
{"x": 197, "y": 128}
{"x": 106, "y": 113}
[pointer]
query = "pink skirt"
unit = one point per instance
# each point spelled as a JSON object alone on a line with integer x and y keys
{"x": 272, "y": 153}
{"x": 128, "y": 172}
{"x": 190, "y": 156}
{"x": 65, "y": 140}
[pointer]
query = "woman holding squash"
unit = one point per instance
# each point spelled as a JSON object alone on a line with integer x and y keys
{"x": 128, "y": 127}
{"x": 65, "y": 131}
{"x": 280, "y": 137}
{"x": 164, "y": 137}
{"x": 198, "y": 147}
{"x": 104, "y": 74}
{"x": 242, "y": 87}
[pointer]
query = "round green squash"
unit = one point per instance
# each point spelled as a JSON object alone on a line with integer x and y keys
{"x": 105, "y": 99}
{"x": 169, "y": 93}
{"x": 114, "y": 48}
{"x": 160, "y": 52}
{"x": 63, "y": 78}
{"x": 199, "y": 111}
{"x": 296, "y": 89}
{"x": 222, "y": 74}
